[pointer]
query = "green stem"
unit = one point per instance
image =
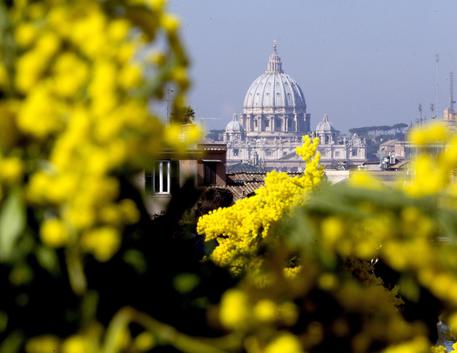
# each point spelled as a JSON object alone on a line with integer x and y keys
{"x": 75, "y": 271}
{"x": 166, "y": 334}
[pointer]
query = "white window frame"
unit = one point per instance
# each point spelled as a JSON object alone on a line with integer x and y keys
{"x": 162, "y": 164}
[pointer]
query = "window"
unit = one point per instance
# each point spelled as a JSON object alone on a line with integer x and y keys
{"x": 209, "y": 176}
{"x": 337, "y": 153}
{"x": 354, "y": 152}
{"x": 236, "y": 151}
{"x": 163, "y": 179}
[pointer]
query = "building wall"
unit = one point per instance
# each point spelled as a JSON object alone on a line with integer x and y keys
{"x": 190, "y": 167}
{"x": 277, "y": 153}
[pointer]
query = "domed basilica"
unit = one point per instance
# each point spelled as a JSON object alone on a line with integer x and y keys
{"x": 272, "y": 124}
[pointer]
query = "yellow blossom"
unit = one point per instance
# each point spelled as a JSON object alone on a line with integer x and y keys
{"x": 234, "y": 309}
{"x": 438, "y": 349}
{"x": 157, "y": 58}
{"x": 251, "y": 218}
{"x": 130, "y": 76}
{"x": 145, "y": 341}
{"x": 327, "y": 281}
{"x": 266, "y": 311}
{"x": 284, "y": 343}
{"x": 70, "y": 74}
{"x": 48, "y": 44}
{"x": 75, "y": 344}
{"x": 170, "y": 23}
{"x": 332, "y": 230}
{"x": 288, "y": 313}
{"x": 25, "y": 34}
{"x": 129, "y": 211}
{"x": 11, "y": 169}
{"x": 364, "y": 179}
{"x": 103, "y": 243}
{"x": 3, "y": 76}
{"x": 180, "y": 76}
{"x": 42, "y": 344}
{"x": 435, "y": 132}
{"x": 54, "y": 233}
{"x": 118, "y": 30}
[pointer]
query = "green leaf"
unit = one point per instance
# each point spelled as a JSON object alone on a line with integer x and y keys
{"x": 409, "y": 288}
{"x": 185, "y": 282}
{"x": 89, "y": 307}
{"x": 47, "y": 258}
{"x": 21, "y": 274}
{"x": 3, "y": 321}
{"x": 135, "y": 259}
{"x": 12, "y": 223}
{"x": 12, "y": 343}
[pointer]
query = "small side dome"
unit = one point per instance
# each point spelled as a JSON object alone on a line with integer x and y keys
{"x": 324, "y": 126}
{"x": 234, "y": 126}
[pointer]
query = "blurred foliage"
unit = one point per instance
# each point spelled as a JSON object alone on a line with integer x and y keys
{"x": 300, "y": 266}
{"x": 363, "y": 266}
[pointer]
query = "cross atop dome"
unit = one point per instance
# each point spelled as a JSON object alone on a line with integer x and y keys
{"x": 274, "y": 62}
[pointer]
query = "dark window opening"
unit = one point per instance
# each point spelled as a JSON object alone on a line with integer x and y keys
{"x": 210, "y": 169}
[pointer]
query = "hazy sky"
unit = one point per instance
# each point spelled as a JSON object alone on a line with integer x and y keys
{"x": 364, "y": 62}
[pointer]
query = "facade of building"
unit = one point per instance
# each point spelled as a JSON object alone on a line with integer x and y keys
{"x": 450, "y": 118}
{"x": 337, "y": 150}
{"x": 272, "y": 124}
{"x": 205, "y": 165}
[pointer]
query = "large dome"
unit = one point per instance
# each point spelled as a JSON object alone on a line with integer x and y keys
{"x": 274, "y": 91}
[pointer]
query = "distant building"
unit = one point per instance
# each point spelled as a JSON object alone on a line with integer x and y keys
{"x": 392, "y": 149}
{"x": 450, "y": 118}
{"x": 205, "y": 164}
{"x": 272, "y": 124}
{"x": 449, "y": 114}
{"x": 337, "y": 151}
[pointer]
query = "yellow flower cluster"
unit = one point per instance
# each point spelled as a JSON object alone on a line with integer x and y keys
{"x": 86, "y": 342}
{"x": 436, "y": 159}
{"x": 409, "y": 227}
{"x": 406, "y": 226}
{"x": 77, "y": 112}
{"x": 239, "y": 311}
{"x": 438, "y": 349}
{"x": 239, "y": 229}
{"x": 181, "y": 136}
{"x": 454, "y": 348}
{"x": 285, "y": 343}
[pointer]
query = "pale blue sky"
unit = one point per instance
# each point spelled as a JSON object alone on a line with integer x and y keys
{"x": 364, "y": 62}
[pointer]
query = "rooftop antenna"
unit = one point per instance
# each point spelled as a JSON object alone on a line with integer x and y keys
{"x": 451, "y": 92}
{"x": 420, "y": 120}
{"x": 437, "y": 62}
{"x": 168, "y": 99}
